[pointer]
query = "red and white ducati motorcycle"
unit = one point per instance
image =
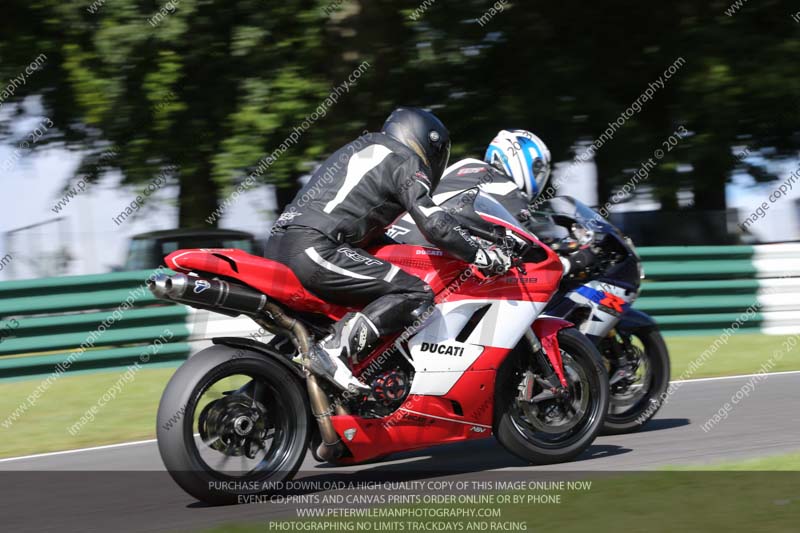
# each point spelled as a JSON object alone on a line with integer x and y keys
{"x": 238, "y": 417}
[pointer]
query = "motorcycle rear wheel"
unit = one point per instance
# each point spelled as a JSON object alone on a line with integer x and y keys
{"x": 549, "y": 438}
{"x": 222, "y": 445}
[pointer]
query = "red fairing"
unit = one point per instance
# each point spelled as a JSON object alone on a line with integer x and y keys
{"x": 546, "y": 330}
{"x": 432, "y": 266}
{"x": 537, "y": 285}
{"x": 455, "y": 280}
{"x": 423, "y": 421}
{"x": 270, "y": 277}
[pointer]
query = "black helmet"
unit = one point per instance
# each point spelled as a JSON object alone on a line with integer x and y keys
{"x": 421, "y": 131}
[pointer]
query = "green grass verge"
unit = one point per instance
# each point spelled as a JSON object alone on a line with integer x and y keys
{"x": 131, "y": 415}
{"x": 776, "y": 463}
{"x": 44, "y": 427}
{"x": 744, "y": 353}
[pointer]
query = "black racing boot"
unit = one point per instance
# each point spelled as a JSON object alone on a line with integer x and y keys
{"x": 353, "y": 336}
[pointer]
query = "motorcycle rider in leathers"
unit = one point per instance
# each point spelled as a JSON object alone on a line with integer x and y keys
{"x": 345, "y": 207}
{"x": 514, "y": 172}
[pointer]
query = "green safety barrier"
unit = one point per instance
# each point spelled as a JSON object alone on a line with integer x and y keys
{"x": 44, "y": 322}
{"x": 79, "y": 323}
{"x": 700, "y": 289}
{"x": 664, "y": 263}
{"x": 653, "y": 253}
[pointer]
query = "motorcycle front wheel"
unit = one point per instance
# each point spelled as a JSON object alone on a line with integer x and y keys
{"x": 545, "y": 430}
{"x": 231, "y": 424}
{"x": 636, "y": 398}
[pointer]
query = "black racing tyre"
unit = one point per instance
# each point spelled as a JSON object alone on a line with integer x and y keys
{"x": 246, "y": 438}
{"x": 628, "y": 413}
{"x": 535, "y": 432}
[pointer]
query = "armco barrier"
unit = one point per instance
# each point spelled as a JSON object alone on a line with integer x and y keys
{"x": 43, "y": 322}
{"x": 699, "y": 289}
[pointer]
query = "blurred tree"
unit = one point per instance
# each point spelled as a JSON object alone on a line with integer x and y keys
{"x": 568, "y": 69}
{"x": 215, "y": 87}
{"x": 208, "y": 90}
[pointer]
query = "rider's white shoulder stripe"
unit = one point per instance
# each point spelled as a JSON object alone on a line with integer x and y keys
{"x": 358, "y": 166}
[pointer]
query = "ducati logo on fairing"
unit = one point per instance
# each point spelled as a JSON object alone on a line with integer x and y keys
{"x": 441, "y": 349}
{"x": 350, "y": 434}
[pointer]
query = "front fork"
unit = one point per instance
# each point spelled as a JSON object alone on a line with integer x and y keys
{"x": 543, "y": 338}
{"x": 551, "y": 381}
{"x": 617, "y": 355}
{"x": 547, "y": 356}
{"x": 551, "y": 364}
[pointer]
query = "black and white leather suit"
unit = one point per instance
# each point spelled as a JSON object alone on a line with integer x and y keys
{"x": 344, "y": 208}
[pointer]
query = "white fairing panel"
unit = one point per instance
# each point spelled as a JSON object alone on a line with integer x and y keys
{"x": 439, "y": 360}
{"x": 600, "y": 322}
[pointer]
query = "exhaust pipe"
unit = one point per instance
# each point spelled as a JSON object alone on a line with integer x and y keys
{"x": 214, "y": 294}
{"x": 331, "y": 448}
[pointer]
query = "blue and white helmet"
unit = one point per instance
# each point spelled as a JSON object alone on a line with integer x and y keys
{"x": 523, "y": 156}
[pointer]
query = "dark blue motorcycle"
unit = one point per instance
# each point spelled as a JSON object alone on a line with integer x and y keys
{"x": 598, "y": 299}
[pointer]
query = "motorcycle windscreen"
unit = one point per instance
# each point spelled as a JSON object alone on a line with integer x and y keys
{"x": 586, "y": 216}
{"x": 627, "y": 271}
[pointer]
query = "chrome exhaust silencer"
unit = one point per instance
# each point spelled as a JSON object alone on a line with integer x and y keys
{"x": 158, "y": 285}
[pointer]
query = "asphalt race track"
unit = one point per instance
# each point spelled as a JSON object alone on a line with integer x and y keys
{"x": 132, "y": 493}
